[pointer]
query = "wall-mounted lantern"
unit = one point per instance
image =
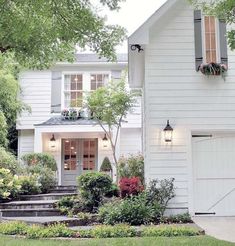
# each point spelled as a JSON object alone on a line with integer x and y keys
{"x": 52, "y": 143}
{"x": 105, "y": 141}
{"x": 168, "y": 132}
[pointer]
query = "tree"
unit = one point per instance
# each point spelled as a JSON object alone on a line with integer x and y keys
{"x": 109, "y": 106}
{"x": 43, "y": 32}
{"x": 223, "y": 9}
{"x": 10, "y": 105}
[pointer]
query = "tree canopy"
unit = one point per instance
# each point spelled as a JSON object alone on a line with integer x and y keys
{"x": 223, "y": 9}
{"x": 43, "y": 32}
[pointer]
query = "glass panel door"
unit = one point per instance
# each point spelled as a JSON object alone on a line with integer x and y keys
{"x": 89, "y": 155}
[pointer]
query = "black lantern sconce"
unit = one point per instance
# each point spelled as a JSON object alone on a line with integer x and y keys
{"x": 105, "y": 141}
{"x": 52, "y": 143}
{"x": 168, "y": 132}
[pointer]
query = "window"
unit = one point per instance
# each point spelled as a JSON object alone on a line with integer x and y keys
{"x": 210, "y": 39}
{"x": 98, "y": 80}
{"x": 73, "y": 90}
{"x": 70, "y": 155}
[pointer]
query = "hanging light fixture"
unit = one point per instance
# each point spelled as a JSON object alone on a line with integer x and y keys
{"x": 52, "y": 143}
{"x": 168, "y": 132}
{"x": 105, "y": 141}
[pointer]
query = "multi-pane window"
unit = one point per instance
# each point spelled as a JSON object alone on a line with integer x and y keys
{"x": 210, "y": 39}
{"x": 89, "y": 154}
{"x": 70, "y": 154}
{"x": 98, "y": 80}
{"x": 73, "y": 90}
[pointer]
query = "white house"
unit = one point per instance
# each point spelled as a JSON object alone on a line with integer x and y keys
{"x": 78, "y": 144}
{"x": 165, "y": 57}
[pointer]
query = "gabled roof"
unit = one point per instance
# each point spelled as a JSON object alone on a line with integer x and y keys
{"x": 141, "y": 35}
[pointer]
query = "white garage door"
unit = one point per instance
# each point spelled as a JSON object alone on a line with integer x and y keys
{"x": 214, "y": 174}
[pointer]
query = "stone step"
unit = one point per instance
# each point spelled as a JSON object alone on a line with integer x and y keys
{"x": 47, "y": 220}
{"x": 28, "y": 204}
{"x": 33, "y": 212}
{"x": 64, "y": 189}
{"x": 45, "y": 197}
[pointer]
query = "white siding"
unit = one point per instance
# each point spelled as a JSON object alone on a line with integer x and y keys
{"x": 130, "y": 141}
{"x": 191, "y": 101}
{"x": 25, "y": 142}
{"x": 36, "y": 93}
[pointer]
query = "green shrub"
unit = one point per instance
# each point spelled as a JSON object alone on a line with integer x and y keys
{"x": 42, "y": 159}
{"x": 29, "y": 185}
{"x": 133, "y": 211}
{"x": 9, "y": 184}
{"x": 84, "y": 216}
{"x": 46, "y": 177}
{"x": 133, "y": 166}
{"x": 169, "y": 231}
{"x": 177, "y": 219}
{"x": 13, "y": 228}
{"x": 106, "y": 165}
{"x": 93, "y": 187}
{"x": 113, "y": 231}
{"x": 160, "y": 192}
{"x": 8, "y": 161}
{"x": 113, "y": 191}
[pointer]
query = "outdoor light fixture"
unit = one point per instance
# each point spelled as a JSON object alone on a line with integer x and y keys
{"x": 105, "y": 141}
{"x": 52, "y": 143}
{"x": 168, "y": 132}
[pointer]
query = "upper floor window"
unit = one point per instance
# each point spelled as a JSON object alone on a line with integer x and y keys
{"x": 98, "y": 80}
{"x": 210, "y": 39}
{"x": 73, "y": 90}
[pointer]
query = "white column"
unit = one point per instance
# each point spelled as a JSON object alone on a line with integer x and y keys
{"x": 38, "y": 148}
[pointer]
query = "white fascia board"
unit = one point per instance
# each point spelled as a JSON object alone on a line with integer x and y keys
{"x": 109, "y": 64}
{"x": 141, "y": 35}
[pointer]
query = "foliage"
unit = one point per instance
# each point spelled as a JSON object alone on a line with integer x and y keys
{"x": 93, "y": 186}
{"x": 10, "y": 104}
{"x": 177, "y": 219}
{"x": 169, "y": 231}
{"x": 223, "y": 9}
{"x": 13, "y": 228}
{"x": 113, "y": 191}
{"x": 130, "y": 186}
{"x": 9, "y": 184}
{"x": 109, "y": 105}
{"x": 106, "y": 165}
{"x": 84, "y": 216}
{"x": 8, "y": 161}
{"x": 29, "y": 185}
{"x": 52, "y": 29}
{"x": 43, "y": 159}
{"x": 132, "y": 166}
{"x": 160, "y": 192}
{"x": 133, "y": 210}
{"x": 46, "y": 177}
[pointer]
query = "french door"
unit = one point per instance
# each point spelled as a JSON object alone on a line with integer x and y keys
{"x": 78, "y": 156}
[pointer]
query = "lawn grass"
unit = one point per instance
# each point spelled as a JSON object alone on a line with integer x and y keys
{"x": 199, "y": 240}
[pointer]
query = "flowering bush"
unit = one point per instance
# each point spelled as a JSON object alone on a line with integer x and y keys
{"x": 130, "y": 186}
{"x": 213, "y": 68}
{"x": 9, "y": 184}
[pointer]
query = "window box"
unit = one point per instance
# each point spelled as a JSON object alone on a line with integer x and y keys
{"x": 70, "y": 114}
{"x": 212, "y": 68}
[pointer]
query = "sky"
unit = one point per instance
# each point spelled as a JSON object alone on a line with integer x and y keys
{"x": 133, "y": 13}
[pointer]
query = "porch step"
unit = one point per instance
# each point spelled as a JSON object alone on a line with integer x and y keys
{"x": 33, "y": 212}
{"x": 45, "y": 197}
{"x": 38, "y": 204}
{"x": 64, "y": 189}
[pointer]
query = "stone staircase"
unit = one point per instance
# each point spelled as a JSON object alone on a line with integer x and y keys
{"x": 38, "y": 209}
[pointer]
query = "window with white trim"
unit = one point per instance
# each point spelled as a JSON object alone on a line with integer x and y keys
{"x": 73, "y": 90}
{"x": 98, "y": 80}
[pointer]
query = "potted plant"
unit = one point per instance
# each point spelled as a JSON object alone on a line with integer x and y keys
{"x": 106, "y": 167}
{"x": 70, "y": 114}
{"x": 213, "y": 69}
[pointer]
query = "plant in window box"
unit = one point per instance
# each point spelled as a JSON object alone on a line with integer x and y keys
{"x": 213, "y": 69}
{"x": 70, "y": 114}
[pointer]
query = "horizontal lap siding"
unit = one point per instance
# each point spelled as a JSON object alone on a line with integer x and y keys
{"x": 174, "y": 90}
{"x": 25, "y": 142}
{"x": 36, "y": 93}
